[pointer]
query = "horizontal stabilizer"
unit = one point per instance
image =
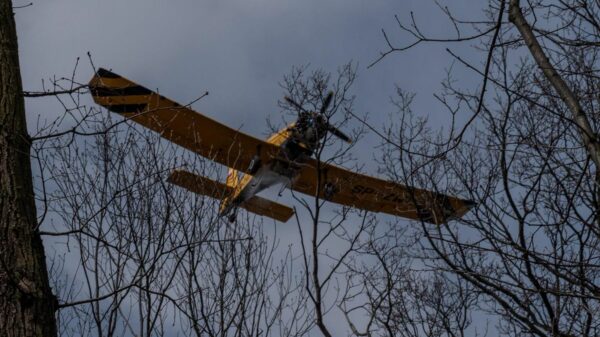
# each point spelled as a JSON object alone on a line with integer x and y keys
{"x": 268, "y": 208}
{"x": 214, "y": 189}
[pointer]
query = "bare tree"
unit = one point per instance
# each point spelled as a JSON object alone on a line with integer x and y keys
{"x": 401, "y": 295}
{"x": 308, "y": 90}
{"x": 526, "y": 153}
{"x": 134, "y": 254}
{"x": 356, "y": 266}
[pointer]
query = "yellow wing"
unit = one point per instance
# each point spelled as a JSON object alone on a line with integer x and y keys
{"x": 178, "y": 123}
{"x": 372, "y": 194}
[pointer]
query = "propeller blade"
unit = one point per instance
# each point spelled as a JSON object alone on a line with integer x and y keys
{"x": 294, "y": 103}
{"x": 326, "y": 103}
{"x": 336, "y": 132}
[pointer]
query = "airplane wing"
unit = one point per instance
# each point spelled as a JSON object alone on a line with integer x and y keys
{"x": 376, "y": 195}
{"x": 178, "y": 123}
{"x": 234, "y": 149}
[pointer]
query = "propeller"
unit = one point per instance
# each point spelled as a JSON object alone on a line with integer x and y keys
{"x": 326, "y": 103}
{"x": 336, "y": 132}
{"x": 304, "y": 114}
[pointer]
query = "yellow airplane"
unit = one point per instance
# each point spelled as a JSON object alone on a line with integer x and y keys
{"x": 284, "y": 158}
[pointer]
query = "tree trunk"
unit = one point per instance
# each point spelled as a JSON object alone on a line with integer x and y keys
{"x": 580, "y": 118}
{"x": 27, "y": 304}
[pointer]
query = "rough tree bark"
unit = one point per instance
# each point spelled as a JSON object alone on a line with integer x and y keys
{"x": 27, "y": 304}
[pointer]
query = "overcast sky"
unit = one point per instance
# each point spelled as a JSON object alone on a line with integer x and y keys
{"x": 239, "y": 50}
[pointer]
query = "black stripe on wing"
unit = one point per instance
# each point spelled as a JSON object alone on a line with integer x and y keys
{"x": 127, "y": 91}
{"x": 106, "y": 73}
{"x": 126, "y": 108}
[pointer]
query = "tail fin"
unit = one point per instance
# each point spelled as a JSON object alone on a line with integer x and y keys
{"x": 217, "y": 190}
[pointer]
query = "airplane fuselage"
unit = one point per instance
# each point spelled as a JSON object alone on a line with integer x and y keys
{"x": 282, "y": 169}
